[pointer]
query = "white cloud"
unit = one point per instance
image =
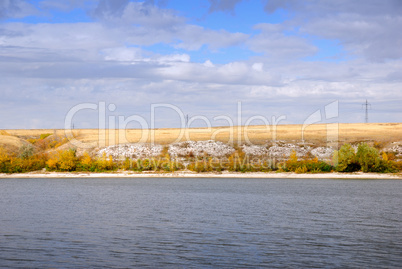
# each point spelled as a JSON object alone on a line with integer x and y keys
{"x": 16, "y": 9}
{"x": 208, "y": 63}
{"x": 149, "y": 16}
{"x": 122, "y": 54}
{"x": 66, "y": 5}
{"x": 194, "y": 37}
{"x": 75, "y": 37}
{"x": 55, "y": 66}
{"x": 258, "y": 66}
{"x": 155, "y": 25}
{"x": 174, "y": 58}
{"x": 323, "y": 8}
{"x": 275, "y": 44}
{"x": 372, "y": 37}
{"x": 107, "y": 9}
{"x": 366, "y": 28}
{"x": 223, "y": 5}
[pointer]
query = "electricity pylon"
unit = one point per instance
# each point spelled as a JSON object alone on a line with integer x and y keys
{"x": 367, "y": 107}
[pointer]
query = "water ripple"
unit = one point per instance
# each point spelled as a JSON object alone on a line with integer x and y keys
{"x": 200, "y": 223}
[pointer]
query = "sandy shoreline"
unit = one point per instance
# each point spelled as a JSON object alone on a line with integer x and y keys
{"x": 185, "y": 174}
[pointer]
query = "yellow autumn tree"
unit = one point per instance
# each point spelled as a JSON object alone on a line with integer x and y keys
{"x": 86, "y": 162}
{"x": 63, "y": 161}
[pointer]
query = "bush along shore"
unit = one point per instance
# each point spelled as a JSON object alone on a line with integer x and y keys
{"x": 202, "y": 156}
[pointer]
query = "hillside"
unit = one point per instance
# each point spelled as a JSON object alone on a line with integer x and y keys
{"x": 244, "y": 149}
{"x": 317, "y": 134}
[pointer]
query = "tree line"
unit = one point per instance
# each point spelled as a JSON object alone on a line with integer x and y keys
{"x": 346, "y": 159}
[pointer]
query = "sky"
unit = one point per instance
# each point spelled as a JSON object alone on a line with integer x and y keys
{"x": 147, "y": 63}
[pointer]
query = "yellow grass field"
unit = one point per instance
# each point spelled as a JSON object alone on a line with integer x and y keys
{"x": 317, "y": 134}
{"x": 11, "y": 142}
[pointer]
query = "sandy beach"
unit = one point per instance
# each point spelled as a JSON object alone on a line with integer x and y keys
{"x": 189, "y": 174}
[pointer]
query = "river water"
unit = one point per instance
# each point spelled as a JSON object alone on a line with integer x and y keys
{"x": 200, "y": 223}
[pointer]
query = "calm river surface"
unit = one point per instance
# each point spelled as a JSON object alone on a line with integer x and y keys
{"x": 200, "y": 223}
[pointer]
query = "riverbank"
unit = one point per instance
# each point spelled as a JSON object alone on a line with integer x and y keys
{"x": 189, "y": 174}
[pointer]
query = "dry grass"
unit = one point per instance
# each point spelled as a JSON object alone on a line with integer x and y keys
{"x": 3, "y": 132}
{"x": 11, "y": 143}
{"x": 315, "y": 134}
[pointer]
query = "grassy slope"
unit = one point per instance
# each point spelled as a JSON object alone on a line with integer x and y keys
{"x": 384, "y": 133}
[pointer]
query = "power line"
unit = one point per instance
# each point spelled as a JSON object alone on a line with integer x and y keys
{"x": 367, "y": 106}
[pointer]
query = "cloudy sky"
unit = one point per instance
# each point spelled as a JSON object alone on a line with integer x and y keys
{"x": 285, "y": 58}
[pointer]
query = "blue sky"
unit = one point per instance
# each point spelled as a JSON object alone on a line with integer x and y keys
{"x": 278, "y": 58}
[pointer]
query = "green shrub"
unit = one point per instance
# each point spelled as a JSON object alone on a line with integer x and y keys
{"x": 26, "y": 151}
{"x": 104, "y": 163}
{"x": 301, "y": 170}
{"x": 27, "y": 163}
{"x": 240, "y": 162}
{"x": 171, "y": 165}
{"x": 86, "y": 163}
{"x": 367, "y": 157}
{"x": 199, "y": 166}
{"x": 43, "y": 136}
{"x": 127, "y": 164}
{"x": 397, "y": 165}
{"x": 5, "y": 160}
{"x": 383, "y": 166}
{"x": 33, "y": 163}
{"x": 307, "y": 166}
{"x": 345, "y": 159}
{"x": 316, "y": 166}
